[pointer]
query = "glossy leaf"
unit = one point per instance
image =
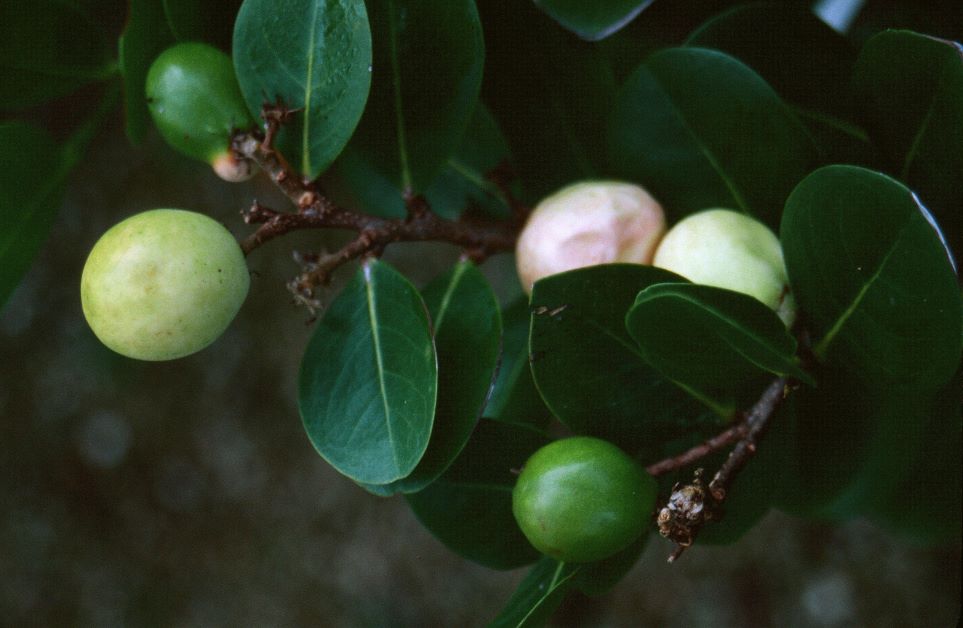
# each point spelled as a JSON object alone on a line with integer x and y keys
{"x": 710, "y": 341}
{"x": 426, "y": 75}
{"x": 469, "y": 508}
{"x": 514, "y": 396}
{"x": 910, "y": 88}
{"x": 538, "y": 595}
{"x": 532, "y": 70}
{"x": 588, "y": 369}
{"x": 145, "y": 37}
{"x": 593, "y": 20}
{"x": 467, "y": 327}
{"x": 49, "y": 49}
{"x": 368, "y": 381}
{"x": 703, "y": 130}
{"x": 313, "y": 55}
{"x": 870, "y": 272}
{"x": 31, "y": 191}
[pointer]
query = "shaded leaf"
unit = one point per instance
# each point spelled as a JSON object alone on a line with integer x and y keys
{"x": 910, "y": 88}
{"x": 197, "y": 20}
{"x": 368, "y": 381}
{"x": 870, "y": 272}
{"x": 588, "y": 369}
{"x": 32, "y": 178}
{"x": 514, "y": 396}
{"x": 599, "y": 577}
{"x": 703, "y": 130}
{"x": 49, "y": 49}
{"x": 815, "y": 85}
{"x": 467, "y": 327}
{"x": 469, "y": 508}
{"x": 145, "y": 37}
{"x": 427, "y": 70}
{"x": 538, "y": 595}
{"x": 532, "y": 69}
{"x": 711, "y": 341}
{"x": 313, "y": 55}
{"x": 593, "y": 20}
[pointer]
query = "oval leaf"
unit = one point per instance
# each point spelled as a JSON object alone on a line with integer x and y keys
{"x": 910, "y": 87}
{"x": 427, "y": 70}
{"x": 31, "y": 190}
{"x": 710, "y": 341}
{"x": 312, "y": 55}
{"x": 588, "y": 369}
{"x": 49, "y": 49}
{"x": 873, "y": 277}
{"x": 469, "y": 508}
{"x": 468, "y": 328}
{"x": 593, "y": 20}
{"x": 368, "y": 379}
{"x": 673, "y": 128}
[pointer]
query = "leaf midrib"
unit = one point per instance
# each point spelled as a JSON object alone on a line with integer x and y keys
{"x": 306, "y": 127}
{"x": 379, "y": 362}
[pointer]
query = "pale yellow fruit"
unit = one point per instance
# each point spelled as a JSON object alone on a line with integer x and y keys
{"x": 163, "y": 284}
{"x": 585, "y": 224}
{"x": 728, "y": 249}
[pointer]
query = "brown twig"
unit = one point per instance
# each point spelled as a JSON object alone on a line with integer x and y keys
{"x": 316, "y": 211}
{"x": 714, "y": 444}
{"x": 690, "y": 506}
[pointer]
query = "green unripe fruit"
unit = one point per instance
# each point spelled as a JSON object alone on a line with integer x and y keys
{"x": 163, "y": 284}
{"x": 585, "y": 224}
{"x": 582, "y": 499}
{"x": 728, "y": 249}
{"x": 194, "y": 98}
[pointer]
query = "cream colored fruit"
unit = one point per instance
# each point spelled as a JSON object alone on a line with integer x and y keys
{"x": 585, "y": 224}
{"x": 163, "y": 284}
{"x": 728, "y": 249}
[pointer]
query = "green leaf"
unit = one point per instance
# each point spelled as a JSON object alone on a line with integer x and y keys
{"x": 468, "y": 328}
{"x": 145, "y": 37}
{"x": 355, "y": 182}
{"x": 514, "y": 396}
{"x": 31, "y": 190}
{"x": 872, "y": 275}
{"x": 828, "y": 428}
{"x": 469, "y": 508}
{"x": 462, "y": 183}
{"x": 710, "y": 341}
{"x": 368, "y": 381}
{"x": 910, "y": 88}
{"x": 599, "y": 577}
{"x": 49, "y": 49}
{"x": 593, "y": 20}
{"x": 427, "y": 70}
{"x": 588, "y": 369}
{"x": 703, "y": 130}
{"x": 815, "y": 85}
{"x": 532, "y": 70}
{"x": 538, "y": 595}
{"x": 312, "y": 55}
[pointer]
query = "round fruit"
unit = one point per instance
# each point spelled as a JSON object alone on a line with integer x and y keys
{"x": 582, "y": 499}
{"x": 196, "y": 103}
{"x": 163, "y": 284}
{"x": 728, "y": 249}
{"x": 589, "y": 223}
